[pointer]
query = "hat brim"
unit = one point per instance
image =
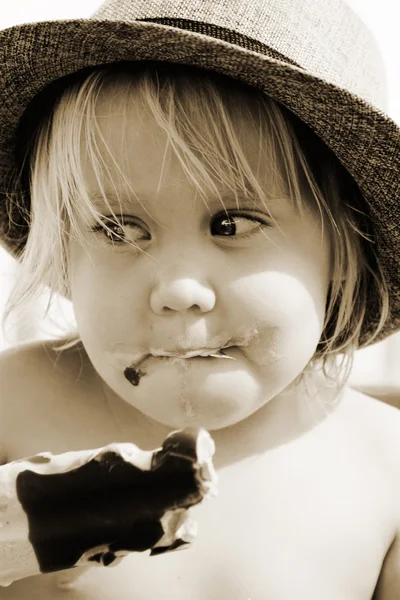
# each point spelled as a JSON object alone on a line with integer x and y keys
{"x": 365, "y": 140}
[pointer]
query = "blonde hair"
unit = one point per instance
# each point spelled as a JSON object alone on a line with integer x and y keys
{"x": 196, "y": 108}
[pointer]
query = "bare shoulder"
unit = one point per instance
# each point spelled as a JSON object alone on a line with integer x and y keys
{"x": 15, "y": 364}
{"x": 380, "y": 418}
{"x": 32, "y": 375}
{"x": 380, "y": 422}
{"x": 26, "y": 367}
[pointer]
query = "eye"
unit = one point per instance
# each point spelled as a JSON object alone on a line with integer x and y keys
{"x": 237, "y": 225}
{"x": 119, "y": 233}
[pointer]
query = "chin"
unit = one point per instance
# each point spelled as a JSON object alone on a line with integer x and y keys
{"x": 214, "y": 402}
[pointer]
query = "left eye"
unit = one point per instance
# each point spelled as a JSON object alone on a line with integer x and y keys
{"x": 228, "y": 225}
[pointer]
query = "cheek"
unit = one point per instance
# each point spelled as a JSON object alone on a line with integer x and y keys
{"x": 281, "y": 297}
{"x": 103, "y": 306}
{"x": 288, "y": 313}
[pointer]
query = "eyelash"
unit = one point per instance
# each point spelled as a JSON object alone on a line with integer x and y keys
{"x": 102, "y": 230}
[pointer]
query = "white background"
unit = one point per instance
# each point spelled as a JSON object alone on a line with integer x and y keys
{"x": 377, "y": 365}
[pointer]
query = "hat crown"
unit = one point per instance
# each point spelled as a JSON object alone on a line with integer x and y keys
{"x": 324, "y": 37}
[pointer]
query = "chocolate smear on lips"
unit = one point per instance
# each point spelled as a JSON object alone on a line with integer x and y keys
{"x": 133, "y": 373}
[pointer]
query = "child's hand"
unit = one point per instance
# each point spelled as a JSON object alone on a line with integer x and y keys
{"x": 94, "y": 507}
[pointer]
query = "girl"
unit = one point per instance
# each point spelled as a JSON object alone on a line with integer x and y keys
{"x": 198, "y": 180}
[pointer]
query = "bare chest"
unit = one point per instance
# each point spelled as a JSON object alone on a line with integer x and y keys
{"x": 308, "y": 521}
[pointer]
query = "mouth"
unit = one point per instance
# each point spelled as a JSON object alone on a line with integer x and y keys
{"x": 133, "y": 373}
{"x": 206, "y": 353}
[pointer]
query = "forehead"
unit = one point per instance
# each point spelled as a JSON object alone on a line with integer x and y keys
{"x": 125, "y": 122}
{"x": 133, "y": 148}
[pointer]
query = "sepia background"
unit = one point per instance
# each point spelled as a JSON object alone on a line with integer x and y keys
{"x": 378, "y": 365}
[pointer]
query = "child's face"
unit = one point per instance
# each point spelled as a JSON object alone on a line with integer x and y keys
{"x": 195, "y": 285}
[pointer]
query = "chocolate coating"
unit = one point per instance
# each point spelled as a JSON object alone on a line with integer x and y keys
{"x": 108, "y": 502}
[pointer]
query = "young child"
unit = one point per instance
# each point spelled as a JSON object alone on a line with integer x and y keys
{"x": 211, "y": 178}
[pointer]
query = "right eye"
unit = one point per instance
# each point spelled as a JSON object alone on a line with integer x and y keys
{"x": 117, "y": 234}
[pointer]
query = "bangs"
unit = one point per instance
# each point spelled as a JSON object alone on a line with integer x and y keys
{"x": 204, "y": 119}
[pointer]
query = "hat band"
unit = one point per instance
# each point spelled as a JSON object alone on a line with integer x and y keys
{"x": 221, "y": 33}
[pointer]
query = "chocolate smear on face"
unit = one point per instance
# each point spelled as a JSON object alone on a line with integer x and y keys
{"x": 133, "y": 373}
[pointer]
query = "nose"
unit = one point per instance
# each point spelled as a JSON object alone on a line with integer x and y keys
{"x": 181, "y": 295}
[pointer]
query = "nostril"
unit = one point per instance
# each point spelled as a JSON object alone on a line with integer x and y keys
{"x": 195, "y": 307}
{"x": 181, "y": 295}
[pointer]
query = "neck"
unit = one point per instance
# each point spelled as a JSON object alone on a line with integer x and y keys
{"x": 291, "y": 414}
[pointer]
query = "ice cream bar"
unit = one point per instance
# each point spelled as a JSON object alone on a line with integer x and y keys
{"x": 93, "y": 507}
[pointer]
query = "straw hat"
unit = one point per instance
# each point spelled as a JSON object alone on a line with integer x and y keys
{"x": 317, "y": 58}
